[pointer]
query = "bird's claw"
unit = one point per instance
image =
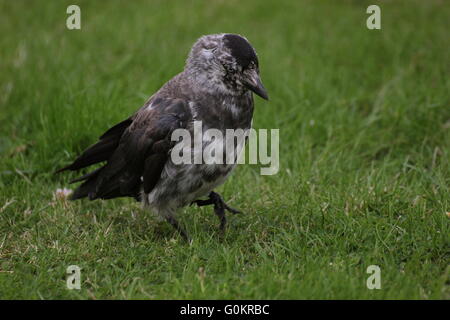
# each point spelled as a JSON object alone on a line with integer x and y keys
{"x": 217, "y": 200}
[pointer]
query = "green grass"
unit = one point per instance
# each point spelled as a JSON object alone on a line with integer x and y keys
{"x": 364, "y": 119}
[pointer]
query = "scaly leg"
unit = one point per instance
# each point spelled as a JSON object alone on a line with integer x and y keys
{"x": 219, "y": 208}
{"x": 180, "y": 229}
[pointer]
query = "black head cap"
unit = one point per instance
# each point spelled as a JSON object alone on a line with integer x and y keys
{"x": 241, "y": 50}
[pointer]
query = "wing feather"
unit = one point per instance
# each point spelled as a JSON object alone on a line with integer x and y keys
{"x": 135, "y": 150}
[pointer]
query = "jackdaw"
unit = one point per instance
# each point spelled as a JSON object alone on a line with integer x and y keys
{"x": 216, "y": 86}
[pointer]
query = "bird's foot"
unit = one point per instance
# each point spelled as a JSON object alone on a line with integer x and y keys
{"x": 215, "y": 199}
{"x": 219, "y": 208}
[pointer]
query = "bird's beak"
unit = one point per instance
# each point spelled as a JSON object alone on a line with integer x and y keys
{"x": 253, "y": 83}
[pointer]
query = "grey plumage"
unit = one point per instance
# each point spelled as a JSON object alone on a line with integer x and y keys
{"x": 215, "y": 88}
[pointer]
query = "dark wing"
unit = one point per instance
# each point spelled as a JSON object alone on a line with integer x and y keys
{"x": 139, "y": 155}
{"x": 102, "y": 150}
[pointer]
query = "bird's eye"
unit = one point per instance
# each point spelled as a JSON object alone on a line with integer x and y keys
{"x": 211, "y": 48}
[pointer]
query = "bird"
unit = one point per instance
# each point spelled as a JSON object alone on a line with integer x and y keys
{"x": 216, "y": 88}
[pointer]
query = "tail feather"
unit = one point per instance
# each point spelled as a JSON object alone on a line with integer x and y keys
{"x": 103, "y": 183}
{"x": 86, "y": 189}
{"x": 116, "y": 178}
{"x": 100, "y": 151}
{"x": 86, "y": 176}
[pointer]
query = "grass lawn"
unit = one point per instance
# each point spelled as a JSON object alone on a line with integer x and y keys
{"x": 364, "y": 119}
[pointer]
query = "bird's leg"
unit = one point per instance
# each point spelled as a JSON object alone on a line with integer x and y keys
{"x": 180, "y": 229}
{"x": 219, "y": 208}
{"x": 202, "y": 203}
{"x": 214, "y": 198}
{"x": 217, "y": 199}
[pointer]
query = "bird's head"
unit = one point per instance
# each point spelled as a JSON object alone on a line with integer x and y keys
{"x": 226, "y": 63}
